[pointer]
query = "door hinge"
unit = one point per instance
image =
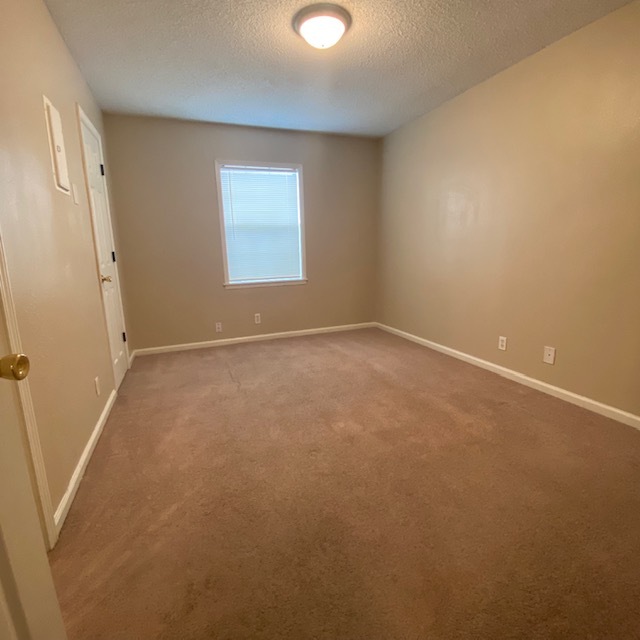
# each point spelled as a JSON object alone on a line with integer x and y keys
{"x": 113, "y": 256}
{"x": 101, "y": 169}
{"x": 124, "y": 336}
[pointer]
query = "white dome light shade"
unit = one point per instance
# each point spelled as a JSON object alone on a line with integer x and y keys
{"x": 322, "y": 25}
{"x": 322, "y": 32}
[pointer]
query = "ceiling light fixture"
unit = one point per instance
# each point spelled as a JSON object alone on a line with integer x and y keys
{"x": 322, "y": 25}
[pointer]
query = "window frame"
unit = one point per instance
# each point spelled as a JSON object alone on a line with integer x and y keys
{"x": 223, "y": 236}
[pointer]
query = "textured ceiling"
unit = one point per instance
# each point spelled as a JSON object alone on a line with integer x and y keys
{"x": 239, "y": 61}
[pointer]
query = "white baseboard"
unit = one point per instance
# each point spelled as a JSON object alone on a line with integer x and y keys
{"x": 586, "y": 403}
{"x": 265, "y": 336}
{"x": 74, "y": 483}
{"x": 582, "y": 401}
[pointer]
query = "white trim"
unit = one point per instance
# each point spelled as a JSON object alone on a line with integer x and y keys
{"x": 236, "y": 164}
{"x": 83, "y": 119}
{"x": 606, "y": 410}
{"x": 259, "y": 338}
{"x": 303, "y": 235}
{"x": 223, "y": 236}
{"x": 270, "y": 283}
{"x": 74, "y": 483}
{"x": 26, "y": 402}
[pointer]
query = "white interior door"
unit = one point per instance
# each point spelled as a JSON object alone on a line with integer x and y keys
{"x": 105, "y": 249}
{"x": 7, "y": 626}
{"x": 28, "y": 604}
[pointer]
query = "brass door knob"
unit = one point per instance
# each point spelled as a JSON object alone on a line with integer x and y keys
{"x": 105, "y": 278}
{"x": 14, "y": 366}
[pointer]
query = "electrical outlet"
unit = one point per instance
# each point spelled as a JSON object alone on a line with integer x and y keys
{"x": 97, "y": 385}
{"x": 218, "y": 327}
{"x": 549, "y": 355}
{"x": 257, "y": 318}
{"x": 502, "y": 343}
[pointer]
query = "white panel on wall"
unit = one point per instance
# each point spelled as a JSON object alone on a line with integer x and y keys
{"x": 56, "y": 142}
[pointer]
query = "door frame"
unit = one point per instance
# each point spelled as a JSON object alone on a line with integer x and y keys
{"x": 41, "y": 490}
{"x": 83, "y": 119}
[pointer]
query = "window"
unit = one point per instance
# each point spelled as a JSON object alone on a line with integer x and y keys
{"x": 261, "y": 218}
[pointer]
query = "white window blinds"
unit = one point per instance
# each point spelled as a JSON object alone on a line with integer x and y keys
{"x": 261, "y": 221}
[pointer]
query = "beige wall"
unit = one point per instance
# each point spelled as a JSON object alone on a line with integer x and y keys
{"x": 166, "y": 203}
{"x": 48, "y": 239}
{"x": 515, "y": 210}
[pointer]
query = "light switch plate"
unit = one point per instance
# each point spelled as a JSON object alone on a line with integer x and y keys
{"x": 56, "y": 146}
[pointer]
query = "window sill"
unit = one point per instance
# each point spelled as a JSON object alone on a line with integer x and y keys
{"x": 274, "y": 283}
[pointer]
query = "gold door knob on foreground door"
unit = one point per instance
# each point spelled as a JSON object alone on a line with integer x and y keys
{"x": 105, "y": 278}
{"x": 14, "y": 366}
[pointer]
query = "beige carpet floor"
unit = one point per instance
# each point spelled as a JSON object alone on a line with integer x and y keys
{"x": 350, "y": 486}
